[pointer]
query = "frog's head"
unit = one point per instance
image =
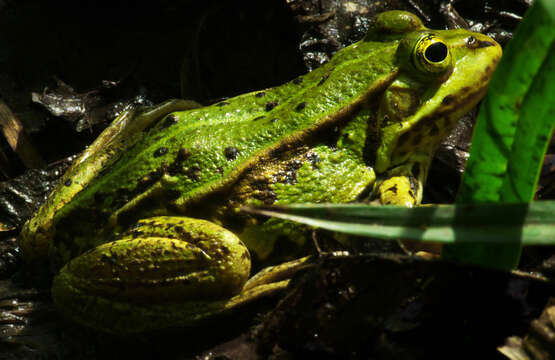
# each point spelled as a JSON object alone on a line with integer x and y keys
{"x": 442, "y": 75}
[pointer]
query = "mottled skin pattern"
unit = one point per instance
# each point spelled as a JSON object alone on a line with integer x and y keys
{"x": 365, "y": 124}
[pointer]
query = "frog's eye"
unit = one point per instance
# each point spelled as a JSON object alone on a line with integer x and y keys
{"x": 431, "y": 55}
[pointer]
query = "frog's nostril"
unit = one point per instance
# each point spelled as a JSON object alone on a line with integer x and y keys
{"x": 483, "y": 44}
{"x": 474, "y": 43}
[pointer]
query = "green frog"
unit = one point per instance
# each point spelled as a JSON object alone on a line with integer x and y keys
{"x": 145, "y": 231}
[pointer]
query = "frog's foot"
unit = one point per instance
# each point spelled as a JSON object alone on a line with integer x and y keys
{"x": 397, "y": 190}
{"x": 277, "y": 274}
{"x": 405, "y": 190}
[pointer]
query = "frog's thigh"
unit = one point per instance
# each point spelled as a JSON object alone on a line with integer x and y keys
{"x": 162, "y": 260}
{"x": 397, "y": 190}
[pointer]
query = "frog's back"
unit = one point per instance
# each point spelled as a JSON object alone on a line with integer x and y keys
{"x": 195, "y": 152}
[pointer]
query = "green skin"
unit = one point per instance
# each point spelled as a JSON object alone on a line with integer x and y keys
{"x": 122, "y": 230}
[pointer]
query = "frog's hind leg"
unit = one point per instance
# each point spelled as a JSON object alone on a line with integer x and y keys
{"x": 130, "y": 285}
{"x": 164, "y": 272}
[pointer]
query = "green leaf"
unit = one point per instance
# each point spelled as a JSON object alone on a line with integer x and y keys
{"x": 529, "y": 223}
{"x": 513, "y": 130}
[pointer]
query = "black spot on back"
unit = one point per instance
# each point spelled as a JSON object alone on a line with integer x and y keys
{"x": 169, "y": 121}
{"x": 160, "y": 151}
{"x": 301, "y": 106}
{"x": 270, "y": 105}
{"x": 183, "y": 154}
{"x": 323, "y": 79}
{"x": 231, "y": 153}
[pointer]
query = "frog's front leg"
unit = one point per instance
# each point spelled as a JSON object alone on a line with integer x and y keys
{"x": 164, "y": 272}
{"x": 397, "y": 190}
{"x": 403, "y": 187}
{"x": 400, "y": 186}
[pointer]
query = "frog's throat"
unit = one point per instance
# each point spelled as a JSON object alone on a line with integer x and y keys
{"x": 422, "y": 134}
{"x": 408, "y": 154}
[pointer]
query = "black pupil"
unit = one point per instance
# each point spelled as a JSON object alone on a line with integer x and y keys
{"x": 436, "y": 52}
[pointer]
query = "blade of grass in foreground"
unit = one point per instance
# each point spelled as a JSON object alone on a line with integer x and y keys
{"x": 512, "y": 132}
{"x": 466, "y": 223}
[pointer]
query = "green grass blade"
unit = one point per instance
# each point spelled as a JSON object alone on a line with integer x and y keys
{"x": 531, "y": 224}
{"x": 512, "y": 131}
{"x": 535, "y": 125}
{"x": 497, "y": 124}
